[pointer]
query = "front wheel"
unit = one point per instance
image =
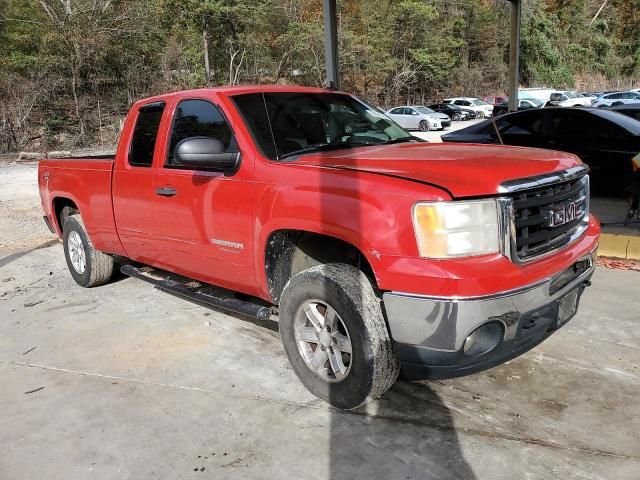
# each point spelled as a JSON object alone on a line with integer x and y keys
{"x": 335, "y": 335}
{"x": 89, "y": 267}
{"x": 480, "y": 115}
{"x": 456, "y": 117}
{"x": 423, "y": 126}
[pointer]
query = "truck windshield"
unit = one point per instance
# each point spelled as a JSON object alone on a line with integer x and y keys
{"x": 286, "y": 124}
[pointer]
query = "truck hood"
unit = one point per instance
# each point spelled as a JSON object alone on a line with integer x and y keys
{"x": 464, "y": 170}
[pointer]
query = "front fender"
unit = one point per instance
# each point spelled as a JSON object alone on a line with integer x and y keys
{"x": 370, "y": 211}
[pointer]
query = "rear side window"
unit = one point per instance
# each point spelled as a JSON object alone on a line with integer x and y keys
{"x": 397, "y": 111}
{"x": 145, "y": 134}
{"x": 199, "y": 118}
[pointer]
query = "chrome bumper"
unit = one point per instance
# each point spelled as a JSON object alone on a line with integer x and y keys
{"x": 432, "y": 330}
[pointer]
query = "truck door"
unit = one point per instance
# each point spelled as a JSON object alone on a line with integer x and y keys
{"x": 133, "y": 192}
{"x": 203, "y": 219}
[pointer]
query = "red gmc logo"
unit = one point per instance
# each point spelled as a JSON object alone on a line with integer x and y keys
{"x": 566, "y": 213}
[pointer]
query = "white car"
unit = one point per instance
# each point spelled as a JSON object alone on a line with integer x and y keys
{"x": 570, "y": 99}
{"x": 417, "y": 117}
{"x": 482, "y": 109}
{"x": 617, "y": 98}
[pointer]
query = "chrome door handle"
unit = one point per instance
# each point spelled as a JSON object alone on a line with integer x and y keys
{"x": 166, "y": 191}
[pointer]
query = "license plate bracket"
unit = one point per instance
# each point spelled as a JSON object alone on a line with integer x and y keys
{"x": 567, "y": 307}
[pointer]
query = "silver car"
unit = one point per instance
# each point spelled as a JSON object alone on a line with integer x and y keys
{"x": 617, "y": 98}
{"x": 418, "y": 117}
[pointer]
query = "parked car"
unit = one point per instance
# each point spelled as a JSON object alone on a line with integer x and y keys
{"x": 418, "y": 117}
{"x": 375, "y": 250}
{"x": 454, "y": 112}
{"x": 630, "y": 110}
{"x": 605, "y": 140}
{"x": 481, "y": 109}
{"x": 569, "y": 99}
{"x": 496, "y": 99}
{"x": 617, "y": 98}
{"x": 523, "y": 104}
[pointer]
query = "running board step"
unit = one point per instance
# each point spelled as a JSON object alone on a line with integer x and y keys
{"x": 197, "y": 291}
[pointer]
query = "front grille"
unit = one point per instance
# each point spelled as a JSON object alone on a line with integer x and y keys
{"x": 547, "y": 218}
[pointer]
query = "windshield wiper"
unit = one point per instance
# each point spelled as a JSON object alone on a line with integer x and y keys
{"x": 318, "y": 148}
{"x": 402, "y": 140}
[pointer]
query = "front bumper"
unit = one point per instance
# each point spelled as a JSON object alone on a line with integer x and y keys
{"x": 430, "y": 332}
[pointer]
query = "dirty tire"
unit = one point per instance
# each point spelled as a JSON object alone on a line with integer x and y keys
{"x": 99, "y": 266}
{"x": 374, "y": 365}
{"x": 423, "y": 126}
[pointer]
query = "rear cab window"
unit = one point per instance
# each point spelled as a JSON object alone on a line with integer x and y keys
{"x": 145, "y": 134}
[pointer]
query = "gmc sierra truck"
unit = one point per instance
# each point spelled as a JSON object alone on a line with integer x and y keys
{"x": 375, "y": 251}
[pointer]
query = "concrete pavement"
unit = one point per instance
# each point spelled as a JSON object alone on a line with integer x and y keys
{"x": 124, "y": 381}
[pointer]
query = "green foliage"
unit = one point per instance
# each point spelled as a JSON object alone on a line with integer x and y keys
{"x": 59, "y": 59}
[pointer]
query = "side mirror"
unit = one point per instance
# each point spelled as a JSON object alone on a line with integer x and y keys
{"x": 205, "y": 153}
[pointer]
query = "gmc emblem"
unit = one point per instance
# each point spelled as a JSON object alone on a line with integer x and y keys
{"x": 566, "y": 213}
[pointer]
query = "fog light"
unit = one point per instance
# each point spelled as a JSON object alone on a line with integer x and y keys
{"x": 483, "y": 339}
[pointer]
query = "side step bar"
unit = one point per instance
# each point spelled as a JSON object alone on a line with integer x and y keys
{"x": 199, "y": 292}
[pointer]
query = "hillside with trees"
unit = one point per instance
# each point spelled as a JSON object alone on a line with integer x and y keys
{"x": 69, "y": 69}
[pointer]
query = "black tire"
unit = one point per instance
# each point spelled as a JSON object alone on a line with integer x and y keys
{"x": 456, "y": 117}
{"x": 423, "y": 126}
{"x": 480, "y": 115}
{"x": 98, "y": 266}
{"x": 374, "y": 366}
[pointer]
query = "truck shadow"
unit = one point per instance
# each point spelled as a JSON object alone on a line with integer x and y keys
{"x": 407, "y": 434}
{"x": 15, "y": 256}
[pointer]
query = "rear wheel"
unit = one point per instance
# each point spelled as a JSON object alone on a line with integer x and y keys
{"x": 88, "y": 267}
{"x": 456, "y": 117}
{"x": 423, "y": 126}
{"x": 335, "y": 335}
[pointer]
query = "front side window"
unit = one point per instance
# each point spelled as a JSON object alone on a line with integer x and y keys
{"x": 145, "y": 133}
{"x": 199, "y": 118}
{"x": 574, "y": 123}
{"x": 529, "y": 123}
{"x": 397, "y": 111}
{"x": 284, "y": 124}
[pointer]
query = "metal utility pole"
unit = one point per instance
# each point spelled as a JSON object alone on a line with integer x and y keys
{"x": 331, "y": 43}
{"x": 514, "y": 54}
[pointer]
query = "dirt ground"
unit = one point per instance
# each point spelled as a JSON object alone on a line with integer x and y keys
{"x": 123, "y": 381}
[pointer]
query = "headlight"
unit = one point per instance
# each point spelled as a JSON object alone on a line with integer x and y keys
{"x": 456, "y": 229}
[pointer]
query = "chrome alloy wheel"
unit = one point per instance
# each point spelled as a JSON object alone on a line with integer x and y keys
{"x": 76, "y": 252}
{"x": 323, "y": 340}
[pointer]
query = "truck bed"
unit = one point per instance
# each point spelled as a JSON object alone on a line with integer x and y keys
{"x": 85, "y": 183}
{"x": 86, "y": 157}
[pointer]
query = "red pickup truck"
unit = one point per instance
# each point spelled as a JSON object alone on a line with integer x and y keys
{"x": 377, "y": 251}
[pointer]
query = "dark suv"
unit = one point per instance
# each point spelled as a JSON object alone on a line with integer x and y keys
{"x": 455, "y": 112}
